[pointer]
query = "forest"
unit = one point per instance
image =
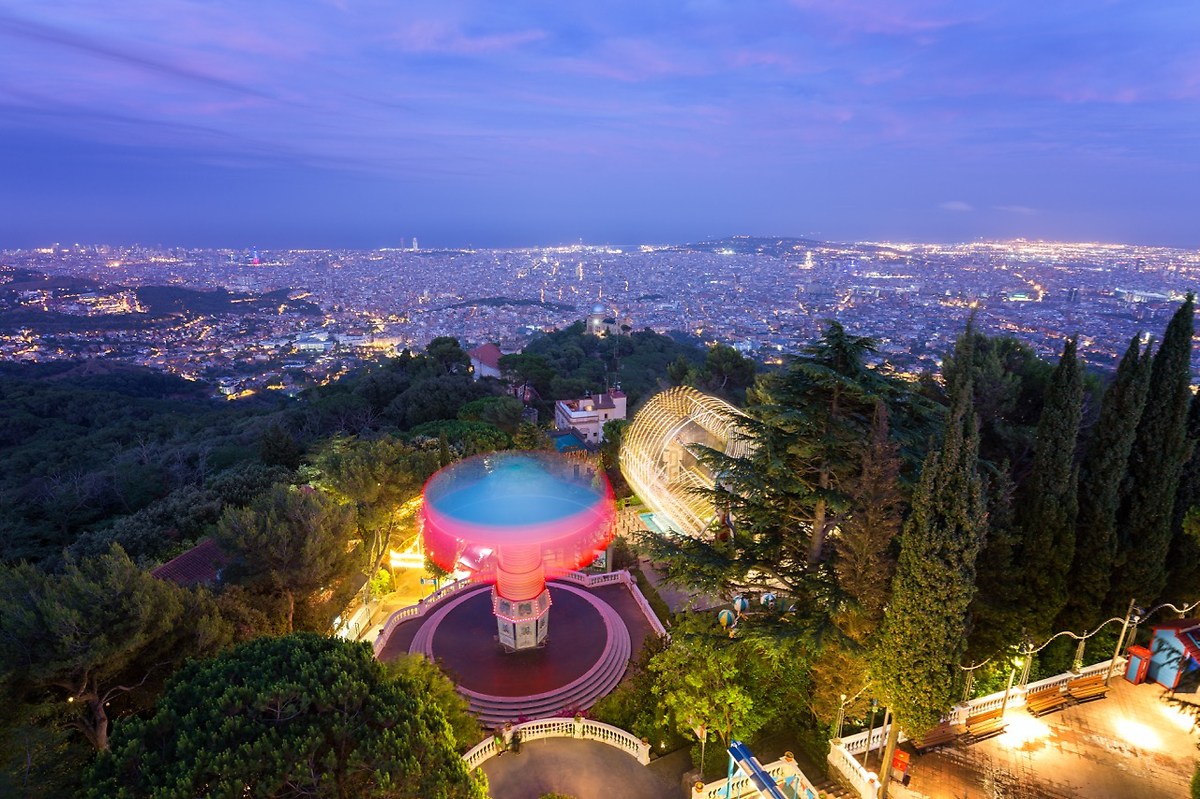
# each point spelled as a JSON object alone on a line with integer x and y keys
{"x": 888, "y": 532}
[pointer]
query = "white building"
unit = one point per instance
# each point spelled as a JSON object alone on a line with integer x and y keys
{"x": 485, "y": 360}
{"x": 589, "y": 414}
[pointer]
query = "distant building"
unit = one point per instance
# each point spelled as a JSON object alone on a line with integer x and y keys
{"x": 603, "y": 322}
{"x": 485, "y": 360}
{"x": 588, "y": 415}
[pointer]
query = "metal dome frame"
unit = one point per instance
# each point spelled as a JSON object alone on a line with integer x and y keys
{"x": 665, "y": 423}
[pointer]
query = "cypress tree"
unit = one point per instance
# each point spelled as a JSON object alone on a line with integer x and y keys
{"x": 1049, "y": 503}
{"x": 1183, "y": 557}
{"x": 862, "y": 559}
{"x": 1100, "y": 482}
{"x": 915, "y": 664}
{"x": 995, "y": 622}
{"x": 1155, "y": 465}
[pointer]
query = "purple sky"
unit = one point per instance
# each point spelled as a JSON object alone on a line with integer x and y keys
{"x": 348, "y": 123}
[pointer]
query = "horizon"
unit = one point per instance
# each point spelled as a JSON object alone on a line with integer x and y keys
{"x": 595, "y": 244}
{"x": 467, "y": 124}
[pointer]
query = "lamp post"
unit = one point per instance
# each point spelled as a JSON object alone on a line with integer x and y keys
{"x": 1018, "y": 662}
{"x": 842, "y": 717}
{"x": 1129, "y": 614}
{"x": 701, "y": 730}
{"x": 870, "y": 731}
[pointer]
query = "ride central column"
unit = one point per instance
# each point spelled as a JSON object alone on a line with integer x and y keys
{"x": 520, "y": 599}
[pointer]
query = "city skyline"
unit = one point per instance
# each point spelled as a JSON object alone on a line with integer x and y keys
{"x": 342, "y": 125}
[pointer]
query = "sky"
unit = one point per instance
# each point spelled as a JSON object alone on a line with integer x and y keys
{"x": 348, "y": 123}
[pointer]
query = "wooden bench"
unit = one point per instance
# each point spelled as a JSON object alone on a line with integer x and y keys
{"x": 943, "y": 733}
{"x": 1047, "y": 700}
{"x": 1082, "y": 689}
{"x": 986, "y": 724}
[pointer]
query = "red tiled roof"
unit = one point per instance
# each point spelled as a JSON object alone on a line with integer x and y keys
{"x": 487, "y": 354}
{"x": 200, "y": 565}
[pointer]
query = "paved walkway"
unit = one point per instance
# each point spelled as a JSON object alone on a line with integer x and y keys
{"x": 1130, "y": 745}
{"x": 581, "y": 769}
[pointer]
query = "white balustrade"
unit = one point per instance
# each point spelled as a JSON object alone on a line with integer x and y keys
{"x": 583, "y": 729}
{"x": 845, "y": 766}
{"x": 417, "y": 611}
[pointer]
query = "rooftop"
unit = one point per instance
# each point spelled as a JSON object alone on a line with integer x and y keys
{"x": 200, "y": 565}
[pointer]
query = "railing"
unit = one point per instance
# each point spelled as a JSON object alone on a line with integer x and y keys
{"x": 873, "y": 738}
{"x": 579, "y": 578}
{"x": 739, "y": 786}
{"x": 417, "y": 611}
{"x": 842, "y": 751}
{"x": 581, "y": 729}
{"x": 1016, "y": 697}
{"x": 652, "y": 617}
{"x": 846, "y": 767}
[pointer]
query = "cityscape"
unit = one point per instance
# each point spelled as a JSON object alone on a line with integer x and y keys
{"x": 282, "y": 320}
{"x": 451, "y": 399}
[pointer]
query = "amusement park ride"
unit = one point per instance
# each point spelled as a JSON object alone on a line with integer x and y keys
{"x": 518, "y": 519}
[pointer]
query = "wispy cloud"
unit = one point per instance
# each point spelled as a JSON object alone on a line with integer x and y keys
{"x": 123, "y": 54}
{"x": 442, "y": 37}
{"x": 752, "y": 99}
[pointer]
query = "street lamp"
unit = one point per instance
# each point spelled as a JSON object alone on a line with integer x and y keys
{"x": 1130, "y": 615}
{"x": 870, "y": 731}
{"x": 842, "y": 717}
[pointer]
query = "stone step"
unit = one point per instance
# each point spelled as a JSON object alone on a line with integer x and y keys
{"x": 834, "y": 790}
{"x": 606, "y": 674}
{"x": 496, "y": 710}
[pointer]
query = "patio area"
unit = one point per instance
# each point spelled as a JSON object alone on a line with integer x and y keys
{"x": 1131, "y": 745}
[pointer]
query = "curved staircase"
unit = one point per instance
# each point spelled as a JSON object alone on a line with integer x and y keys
{"x": 578, "y": 694}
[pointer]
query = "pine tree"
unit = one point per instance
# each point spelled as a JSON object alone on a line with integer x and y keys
{"x": 1155, "y": 465}
{"x": 293, "y": 543}
{"x": 301, "y": 715}
{"x": 915, "y": 664}
{"x": 1100, "y": 483}
{"x": 1047, "y": 511}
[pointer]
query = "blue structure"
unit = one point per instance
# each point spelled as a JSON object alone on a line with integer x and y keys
{"x": 741, "y": 757}
{"x": 1174, "y": 651}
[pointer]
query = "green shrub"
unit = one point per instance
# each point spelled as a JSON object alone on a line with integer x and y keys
{"x": 657, "y": 604}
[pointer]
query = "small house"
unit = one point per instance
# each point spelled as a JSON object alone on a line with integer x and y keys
{"x": 1174, "y": 651}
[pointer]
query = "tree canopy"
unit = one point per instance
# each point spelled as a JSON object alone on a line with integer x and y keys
{"x": 300, "y": 715}
{"x": 93, "y": 635}
{"x": 295, "y": 544}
